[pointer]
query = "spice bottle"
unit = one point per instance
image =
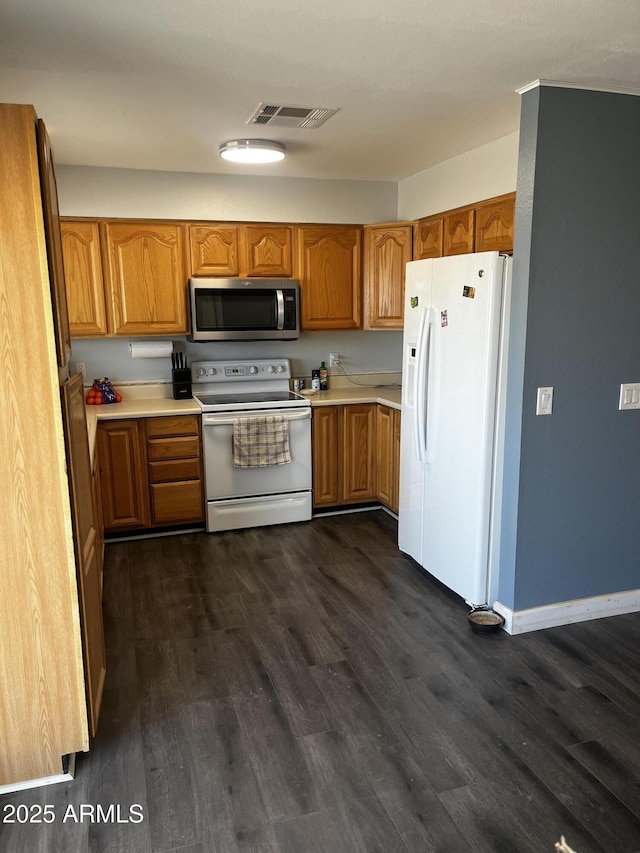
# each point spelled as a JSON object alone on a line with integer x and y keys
{"x": 324, "y": 377}
{"x": 315, "y": 380}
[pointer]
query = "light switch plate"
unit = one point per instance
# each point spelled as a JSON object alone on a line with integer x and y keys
{"x": 544, "y": 403}
{"x": 629, "y": 396}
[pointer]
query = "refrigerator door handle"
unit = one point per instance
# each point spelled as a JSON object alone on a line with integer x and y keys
{"x": 419, "y": 389}
{"x": 428, "y": 384}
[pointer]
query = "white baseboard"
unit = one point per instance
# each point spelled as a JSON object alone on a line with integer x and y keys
{"x": 568, "y": 612}
{"x": 45, "y": 780}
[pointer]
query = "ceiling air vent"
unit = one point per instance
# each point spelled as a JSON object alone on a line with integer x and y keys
{"x": 290, "y": 116}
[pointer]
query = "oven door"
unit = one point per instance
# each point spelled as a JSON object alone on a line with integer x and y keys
{"x": 253, "y": 497}
{"x": 223, "y": 481}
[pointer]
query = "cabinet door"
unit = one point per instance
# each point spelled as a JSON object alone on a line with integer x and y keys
{"x": 214, "y": 250}
{"x": 428, "y": 238}
{"x": 387, "y": 249}
{"x": 358, "y": 474}
{"x": 326, "y": 454}
{"x": 146, "y": 270}
{"x": 55, "y": 262}
{"x": 494, "y": 224}
{"x": 458, "y": 231}
{"x": 87, "y": 544}
{"x": 266, "y": 251}
{"x": 329, "y": 260}
{"x": 83, "y": 278}
{"x": 397, "y": 423}
{"x": 385, "y": 455}
{"x": 123, "y": 477}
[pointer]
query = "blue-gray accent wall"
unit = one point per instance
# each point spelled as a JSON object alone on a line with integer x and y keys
{"x": 572, "y": 479}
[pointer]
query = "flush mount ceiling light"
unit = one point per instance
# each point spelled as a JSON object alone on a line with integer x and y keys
{"x": 252, "y": 151}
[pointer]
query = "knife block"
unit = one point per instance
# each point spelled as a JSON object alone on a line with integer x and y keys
{"x": 181, "y": 379}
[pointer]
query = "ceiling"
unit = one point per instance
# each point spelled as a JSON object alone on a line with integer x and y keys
{"x": 159, "y": 84}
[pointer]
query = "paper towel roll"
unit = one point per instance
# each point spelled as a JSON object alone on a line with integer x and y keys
{"x": 151, "y": 349}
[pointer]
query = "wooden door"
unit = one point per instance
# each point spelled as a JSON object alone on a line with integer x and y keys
{"x": 458, "y": 231}
{"x": 387, "y": 250}
{"x": 326, "y": 455}
{"x": 214, "y": 250}
{"x": 87, "y": 544}
{"x": 494, "y": 224}
{"x": 51, "y": 216}
{"x": 147, "y": 273}
{"x": 267, "y": 251}
{"x": 358, "y": 470}
{"x": 329, "y": 262}
{"x": 428, "y": 235}
{"x": 123, "y": 476}
{"x": 83, "y": 277}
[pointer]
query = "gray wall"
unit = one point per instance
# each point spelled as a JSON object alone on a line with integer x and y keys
{"x": 578, "y": 269}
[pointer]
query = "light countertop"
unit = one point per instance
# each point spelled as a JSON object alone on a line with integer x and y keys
{"x": 136, "y": 405}
{"x": 343, "y": 396}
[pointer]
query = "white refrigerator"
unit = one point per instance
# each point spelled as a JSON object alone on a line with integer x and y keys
{"x": 453, "y": 408}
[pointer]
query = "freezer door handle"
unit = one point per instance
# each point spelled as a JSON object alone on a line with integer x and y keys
{"x": 419, "y": 389}
{"x": 428, "y": 384}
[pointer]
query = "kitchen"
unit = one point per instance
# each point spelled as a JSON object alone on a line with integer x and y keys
{"x": 573, "y": 315}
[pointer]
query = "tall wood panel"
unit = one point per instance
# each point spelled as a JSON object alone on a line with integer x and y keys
{"x": 42, "y": 699}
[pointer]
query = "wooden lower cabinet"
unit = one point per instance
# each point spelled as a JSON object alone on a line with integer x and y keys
{"x": 151, "y": 472}
{"x": 388, "y": 456}
{"x": 344, "y": 453}
{"x": 174, "y": 463}
{"x": 123, "y": 481}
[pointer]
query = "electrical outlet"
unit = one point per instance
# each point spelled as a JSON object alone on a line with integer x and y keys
{"x": 334, "y": 358}
{"x": 81, "y": 367}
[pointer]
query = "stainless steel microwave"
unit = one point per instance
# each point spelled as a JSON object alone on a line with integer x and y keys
{"x": 244, "y": 309}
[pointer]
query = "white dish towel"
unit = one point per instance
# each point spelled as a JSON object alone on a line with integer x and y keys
{"x": 261, "y": 441}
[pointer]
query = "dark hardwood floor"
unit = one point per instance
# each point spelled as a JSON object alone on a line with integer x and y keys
{"x": 306, "y": 689}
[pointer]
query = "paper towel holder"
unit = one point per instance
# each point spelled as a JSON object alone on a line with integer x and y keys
{"x": 150, "y": 349}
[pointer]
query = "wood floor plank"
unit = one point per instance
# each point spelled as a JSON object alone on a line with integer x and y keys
{"x": 221, "y": 756}
{"x": 311, "y": 833}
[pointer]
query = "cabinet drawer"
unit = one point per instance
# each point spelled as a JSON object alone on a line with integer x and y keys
{"x": 182, "y": 447}
{"x": 173, "y": 470}
{"x": 173, "y": 503}
{"x": 179, "y": 425}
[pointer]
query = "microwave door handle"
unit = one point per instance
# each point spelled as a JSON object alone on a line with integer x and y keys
{"x": 279, "y": 310}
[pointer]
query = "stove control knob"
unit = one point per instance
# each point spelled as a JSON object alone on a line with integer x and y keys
{"x": 253, "y": 369}
{"x": 271, "y": 369}
{"x": 201, "y": 371}
{"x": 281, "y": 368}
{"x": 212, "y": 371}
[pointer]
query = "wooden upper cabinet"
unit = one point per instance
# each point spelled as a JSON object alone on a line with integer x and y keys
{"x": 83, "y": 276}
{"x": 494, "y": 224}
{"x": 428, "y": 238}
{"x": 459, "y": 231}
{"x": 329, "y": 264}
{"x": 147, "y": 273}
{"x": 214, "y": 250}
{"x": 387, "y": 249}
{"x": 230, "y": 250}
{"x": 267, "y": 251}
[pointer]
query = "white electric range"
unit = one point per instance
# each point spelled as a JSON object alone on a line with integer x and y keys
{"x": 238, "y": 497}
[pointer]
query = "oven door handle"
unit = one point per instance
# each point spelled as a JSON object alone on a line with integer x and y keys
{"x": 215, "y": 419}
{"x": 280, "y": 310}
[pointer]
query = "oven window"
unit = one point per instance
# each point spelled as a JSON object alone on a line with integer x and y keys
{"x": 235, "y": 310}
